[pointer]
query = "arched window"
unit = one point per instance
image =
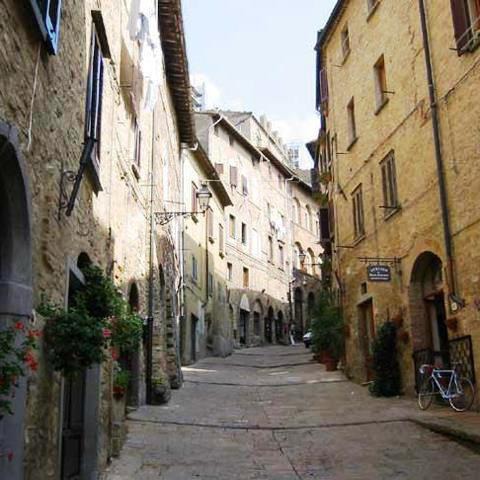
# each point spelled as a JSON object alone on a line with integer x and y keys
{"x": 297, "y": 249}
{"x": 297, "y": 211}
{"x": 309, "y": 261}
{"x": 309, "y": 218}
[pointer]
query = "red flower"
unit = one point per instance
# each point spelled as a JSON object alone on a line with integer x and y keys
{"x": 32, "y": 334}
{"x": 31, "y": 361}
{"x": 107, "y": 333}
{"x": 19, "y": 326}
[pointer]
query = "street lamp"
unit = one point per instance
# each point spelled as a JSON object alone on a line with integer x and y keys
{"x": 203, "y": 197}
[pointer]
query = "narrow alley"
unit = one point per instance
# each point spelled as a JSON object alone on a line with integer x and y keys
{"x": 271, "y": 413}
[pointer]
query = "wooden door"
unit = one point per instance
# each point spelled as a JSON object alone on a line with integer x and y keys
{"x": 366, "y": 332}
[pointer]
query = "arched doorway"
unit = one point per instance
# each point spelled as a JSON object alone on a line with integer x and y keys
{"x": 268, "y": 325}
{"x": 243, "y": 321}
{"x": 279, "y": 326}
{"x": 310, "y": 309}
{"x": 298, "y": 301}
{"x": 427, "y": 307}
{"x": 257, "y": 319}
{"x": 15, "y": 281}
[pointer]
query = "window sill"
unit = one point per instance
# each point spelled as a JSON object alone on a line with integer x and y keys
{"x": 93, "y": 172}
{"x": 372, "y": 10}
{"x": 345, "y": 57}
{"x": 390, "y": 212}
{"x": 352, "y": 143}
{"x": 359, "y": 239}
{"x": 472, "y": 44}
{"x": 382, "y": 105}
{"x": 136, "y": 171}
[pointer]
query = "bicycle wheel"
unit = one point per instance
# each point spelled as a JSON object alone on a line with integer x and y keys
{"x": 426, "y": 393}
{"x": 463, "y": 395}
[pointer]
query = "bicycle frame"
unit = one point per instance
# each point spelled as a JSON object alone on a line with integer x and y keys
{"x": 446, "y": 393}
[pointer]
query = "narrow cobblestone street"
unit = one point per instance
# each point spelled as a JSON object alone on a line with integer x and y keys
{"x": 270, "y": 413}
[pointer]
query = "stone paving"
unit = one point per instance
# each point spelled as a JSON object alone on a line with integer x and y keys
{"x": 271, "y": 414}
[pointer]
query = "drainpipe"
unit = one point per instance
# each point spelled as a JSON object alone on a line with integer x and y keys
{"x": 149, "y": 342}
{"x": 438, "y": 150}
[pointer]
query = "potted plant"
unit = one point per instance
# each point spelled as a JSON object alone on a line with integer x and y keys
{"x": 387, "y": 381}
{"x": 161, "y": 391}
{"x": 328, "y": 331}
{"x": 120, "y": 383}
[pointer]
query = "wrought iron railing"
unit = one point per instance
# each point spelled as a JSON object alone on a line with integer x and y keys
{"x": 460, "y": 351}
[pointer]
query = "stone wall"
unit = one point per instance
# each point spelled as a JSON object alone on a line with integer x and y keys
{"x": 111, "y": 226}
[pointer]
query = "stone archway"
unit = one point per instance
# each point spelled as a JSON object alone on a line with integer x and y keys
{"x": 427, "y": 306}
{"x": 15, "y": 280}
{"x": 298, "y": 309}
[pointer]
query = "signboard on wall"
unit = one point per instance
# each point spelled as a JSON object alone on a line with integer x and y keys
{"x": 379, "y": 273}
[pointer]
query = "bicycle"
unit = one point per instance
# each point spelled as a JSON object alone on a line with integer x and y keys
{"x": 459, "y": 392}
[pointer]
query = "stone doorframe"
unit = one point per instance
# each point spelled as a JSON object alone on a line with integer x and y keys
{"x": 16, "y": 300}
{"x": 92, "y": 426}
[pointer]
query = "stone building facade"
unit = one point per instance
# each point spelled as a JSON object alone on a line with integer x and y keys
{"x": 205, "y": 328}
{"x": 76, "y": 83}
{"x": 398, "y": 153}
{"x": 253, "y": 165}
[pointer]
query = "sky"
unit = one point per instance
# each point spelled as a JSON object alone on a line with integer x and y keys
{"x": 258, "y": 56}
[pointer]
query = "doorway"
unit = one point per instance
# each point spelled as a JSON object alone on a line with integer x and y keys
{"x": 193, "y": 338}
{"x": 279, "y": 327}
{"x": 268, "y": 325}
{"x": 15, "y": 282}
{"x": 299, "y": 325}
{"x": 243, "y": 327}
{"x": 366, "y": 335}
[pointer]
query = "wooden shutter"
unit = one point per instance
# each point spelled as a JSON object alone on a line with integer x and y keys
{"x": 460, "y": 25}
{"x": 233, "y": 176}
{"x": 219, "y": 168}
{"x": 47, "y": 16}
{"x": 324, "y": 224}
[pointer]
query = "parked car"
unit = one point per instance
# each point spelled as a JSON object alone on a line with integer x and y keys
{"x": 307, "y": 339}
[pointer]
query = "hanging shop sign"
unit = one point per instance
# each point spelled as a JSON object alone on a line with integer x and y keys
{"x": 379, "y": 273}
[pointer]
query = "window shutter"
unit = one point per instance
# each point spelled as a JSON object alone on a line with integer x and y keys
{"x": 219, "y": 168}
{"x": 233, "y": 176}
{"x": 460, "y": 24}
{"x": 324, "y": 224}
{"x": 47, "y": 16}
{"x": 323, "y": 86}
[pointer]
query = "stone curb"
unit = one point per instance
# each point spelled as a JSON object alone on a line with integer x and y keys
{"x": 448, "y": 428}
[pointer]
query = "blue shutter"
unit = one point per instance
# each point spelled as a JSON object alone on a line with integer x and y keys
{"x": 47, "y": 15}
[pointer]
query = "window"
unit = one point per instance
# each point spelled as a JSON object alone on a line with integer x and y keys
{"x": 345, "y": 36}
{"x": 138, "y": 147}
{"x": 296, "y": 256}
{"x": 297, "y": 212}
{"x": 210, "y": 285}
{"x": 219, "y": 168}
{"x": 281, "y": 256}
{"x": 352, "y": 127}
{"x": 255, "y": 243}
{"x": 233, "y": 176}
{"x": 466, "y": 23}
{"x": 380, "y": 83}
{"x": 232, "y": 226}
{"x": 270, "y": 249}
{"x": 358, "y": 216}
{"x": 193, "y": 199}
{"x": 244, "y": 233}
{"x": 194, "y": 269}
{"x": 209, "y": 219}
{"x": 246, "y": 277}
{"x": 221, "y": 240}
{"x": 231, "y": 141}
{"x": 229, "y": 272}
{"x": 371, "y": 4}
{"x": 244, "y": 185}
{"x": 308, "y": 218}
{"x": 324, "y": 225}
{"x": 47, "y": 15}
{"x": 389, "y": 184}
